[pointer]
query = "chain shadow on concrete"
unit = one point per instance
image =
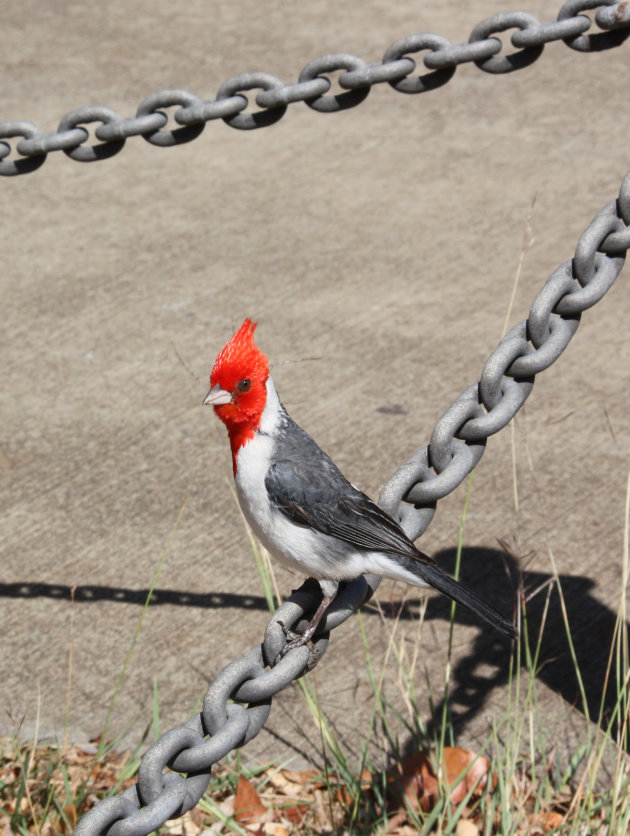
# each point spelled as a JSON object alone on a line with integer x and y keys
{"x": 486, "y": 665}
{"x": 93, "y": 593}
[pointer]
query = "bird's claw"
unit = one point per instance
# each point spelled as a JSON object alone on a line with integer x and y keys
{"x": 290, "y": 635}
{"x": 298, "y": 640}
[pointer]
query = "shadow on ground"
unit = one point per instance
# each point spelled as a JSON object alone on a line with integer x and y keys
{"x": 486, "y": 666}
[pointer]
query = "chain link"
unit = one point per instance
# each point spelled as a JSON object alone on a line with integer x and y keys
{"x": 238, "y": 701}
{"x": 228, "y": 725}
{"x": 357, "y": 78}
{"x": 507, "y": 378}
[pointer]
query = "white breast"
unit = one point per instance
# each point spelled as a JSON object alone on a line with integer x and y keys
{"x": 308, "y": 552}
{"x": 253, "y": 461}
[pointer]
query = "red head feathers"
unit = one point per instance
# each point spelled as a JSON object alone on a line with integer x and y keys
{"x": 238, "y": 393}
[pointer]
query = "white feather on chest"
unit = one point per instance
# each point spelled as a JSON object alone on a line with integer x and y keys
{"x": 309, "y": 552}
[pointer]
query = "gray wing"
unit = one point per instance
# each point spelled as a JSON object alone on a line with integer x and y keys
{"x": 311, "y": 491}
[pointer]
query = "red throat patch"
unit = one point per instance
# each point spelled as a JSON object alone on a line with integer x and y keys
{"x": 241, "y": 369}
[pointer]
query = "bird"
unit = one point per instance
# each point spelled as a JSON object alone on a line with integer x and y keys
{"x": 299, "y": 504}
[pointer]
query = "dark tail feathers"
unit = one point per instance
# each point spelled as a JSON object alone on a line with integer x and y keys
{"x": 464, "y": 596}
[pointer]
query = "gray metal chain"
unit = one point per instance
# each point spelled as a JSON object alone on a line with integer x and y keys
{"x": 357, "y": 78}
{"x": 235, "y": 708}
{"x": 459, "y": 437}
{"x": 238, "y": 701}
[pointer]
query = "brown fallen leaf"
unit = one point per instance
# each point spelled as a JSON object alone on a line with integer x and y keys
{"x": 281, "y": 782}
{"x": 295, "y": 814}
{"x": 456, "y": 761}
{"x": 343, "y": 794}
{"x": 412, "y": 779}
{"x": 545, "y": 822}
{"x": 70, "y": 813}
{"x": 307, "y": 777}
{"x": 415, "y": 780}
{"x": 247, "y": 803}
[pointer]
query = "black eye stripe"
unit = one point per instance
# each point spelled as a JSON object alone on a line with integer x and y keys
{"x": 244, "y": 385}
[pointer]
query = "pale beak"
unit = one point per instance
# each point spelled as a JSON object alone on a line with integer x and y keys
{"x": 217, "y": 396}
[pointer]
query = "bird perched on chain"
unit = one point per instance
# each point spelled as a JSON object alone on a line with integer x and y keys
{"x": 299, "y": 504}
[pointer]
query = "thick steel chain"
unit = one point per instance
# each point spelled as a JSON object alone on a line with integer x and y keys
{"x": 356, "y": 79}
{"x": 238, "y": 701}
{"x": 459, "y": 437}
{"x": 235, "y": 708}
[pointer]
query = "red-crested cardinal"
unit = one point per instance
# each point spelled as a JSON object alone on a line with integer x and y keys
{"x": 299, "y": 504}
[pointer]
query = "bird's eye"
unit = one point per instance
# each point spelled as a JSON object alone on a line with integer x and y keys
{"x": 244, "y": 385}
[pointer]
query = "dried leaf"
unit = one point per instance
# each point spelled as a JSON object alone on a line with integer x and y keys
{"x": 413, "y": 779}
{"x": 282, "y": 784}
{"x": 366, "y": 780}
{"x": 70, "y": 812}
{"x": 321, "y": 810}
{"x": 466, "y": 827}
{"x": 396, "y": 821}
{"x": 190, "y": 823}
{"x": 545, "y": 822}
{"x": 456, "y": 761}
{"x": 294, "y": 814}
{"x": 247, "y": 803}
{"x": 227, "y": 806}
{"x": 307, "y": 777}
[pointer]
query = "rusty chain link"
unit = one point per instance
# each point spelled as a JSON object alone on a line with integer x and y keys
{"x": 357, "y": 77}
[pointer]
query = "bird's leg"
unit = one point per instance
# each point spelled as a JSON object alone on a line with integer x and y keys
{"x": 329, "y": 590}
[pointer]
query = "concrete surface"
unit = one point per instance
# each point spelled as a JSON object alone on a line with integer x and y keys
{"x": 377, "y": 248}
